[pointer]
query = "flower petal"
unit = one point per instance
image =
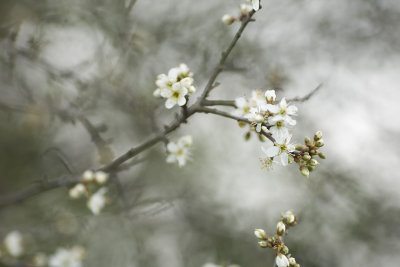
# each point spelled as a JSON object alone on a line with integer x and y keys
{"x": 170, "y": 103}
{"x": 271, "y": 151}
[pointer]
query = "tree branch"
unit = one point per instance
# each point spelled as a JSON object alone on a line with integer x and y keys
{"x": 224, "y": 56}
{"x": 307, "y": 96}
{"x": 114, "y": 165}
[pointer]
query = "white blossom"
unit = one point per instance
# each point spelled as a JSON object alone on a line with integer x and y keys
{"x": 284, "y": 112}
{"x": 88, "y": 176}
{"x": 178, "y": 151}
{"x": 77, "y": 191}
{"x": 256, "y": 117}
{"x": 242, "y": 107}
{"x": 176, "y": 96}
{"x": 64, "y": 257}
{"x": 282, "y": 147}
{"x": 101, "y": 177}
{"x": 256, "y": 4}
{"x": 282, "y": 261}
{"x": 13, "y": 243}
{"x": 97, "y": 201}
{"x": 175, "y": 86}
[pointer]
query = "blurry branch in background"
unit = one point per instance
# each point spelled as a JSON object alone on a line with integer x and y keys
{"x": 231, "y": 103}
{"x": 113, "y": 166}
{"x": 307, "y": 96}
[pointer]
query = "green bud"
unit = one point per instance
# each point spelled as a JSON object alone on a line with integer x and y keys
{"x": 299, "y": 147}
{"x": 310, "y": 168}
{"x": 319, "y": 143}
{"x": 321, "y": 155}
{"x": 241, "y": 124}
{"x": 317, "y": 135}
{"x": 313, "y": 152}
{"x": 285, "y": 250}
{"x": 306, "y": 157}
{"x": 263, "y": 244}
{"x": 306, "y": 140}
{"x": 304, "y": 171}
{"x": 247, "y": 136}
{"x": 313, "y": 162}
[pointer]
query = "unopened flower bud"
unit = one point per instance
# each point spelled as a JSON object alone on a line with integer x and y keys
{"x": 289, "y": 217}
{"x": 317, "y": 135}
{"x": 292, "y": 261}
{"x": 319, "y": 143}
{"x": 313, "y": 152}
{"x": 263, "y": 244}
{"x": 260, "y": 234}
{"x": 88, "y": 176}
{"x": 307, "y": 157}
{"x": 247, "y": 136}
{"x": 227, "y": 19}
{"x": 285, "y": 250}
{"x": 101, "y": 177}
{"x": 321, "y": 155}
{"x": 280, "y": 228}
{"x": 241, "y": 124}
{"x": 306, "y": 140}
{"x": 245, "y": 9}
{"x": 304, "y": 171}
{"x": 310, "y": 168}
{"x": 270, "y": 96}
{"x": 313, "y": 162}
{"x": 77, "y": 191}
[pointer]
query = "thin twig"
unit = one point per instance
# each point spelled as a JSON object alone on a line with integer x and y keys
{"x": 307, "y": 96}
{"x": 224, "y": 56}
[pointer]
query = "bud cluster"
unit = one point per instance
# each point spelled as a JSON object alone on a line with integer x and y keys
{"x": 90, "y": 182}
{"x": 283, "y": 258}
{"x": 305, "y": 154}
{"x": 245, "y": 9}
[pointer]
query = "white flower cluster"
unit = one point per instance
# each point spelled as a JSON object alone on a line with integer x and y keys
{"x": 283, "y": 258}
{"x": 270, "y": 117}
{"x": 175, "y": 86}
{"x": 64, "y": 257}
{"x": 178, "y": 151}
{"x": 245, "y": 9}
{"x": 96, "y": 201}
{"x": 14, "y": 244}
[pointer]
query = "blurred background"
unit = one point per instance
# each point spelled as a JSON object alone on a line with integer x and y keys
{"x": 61, "y": 61}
